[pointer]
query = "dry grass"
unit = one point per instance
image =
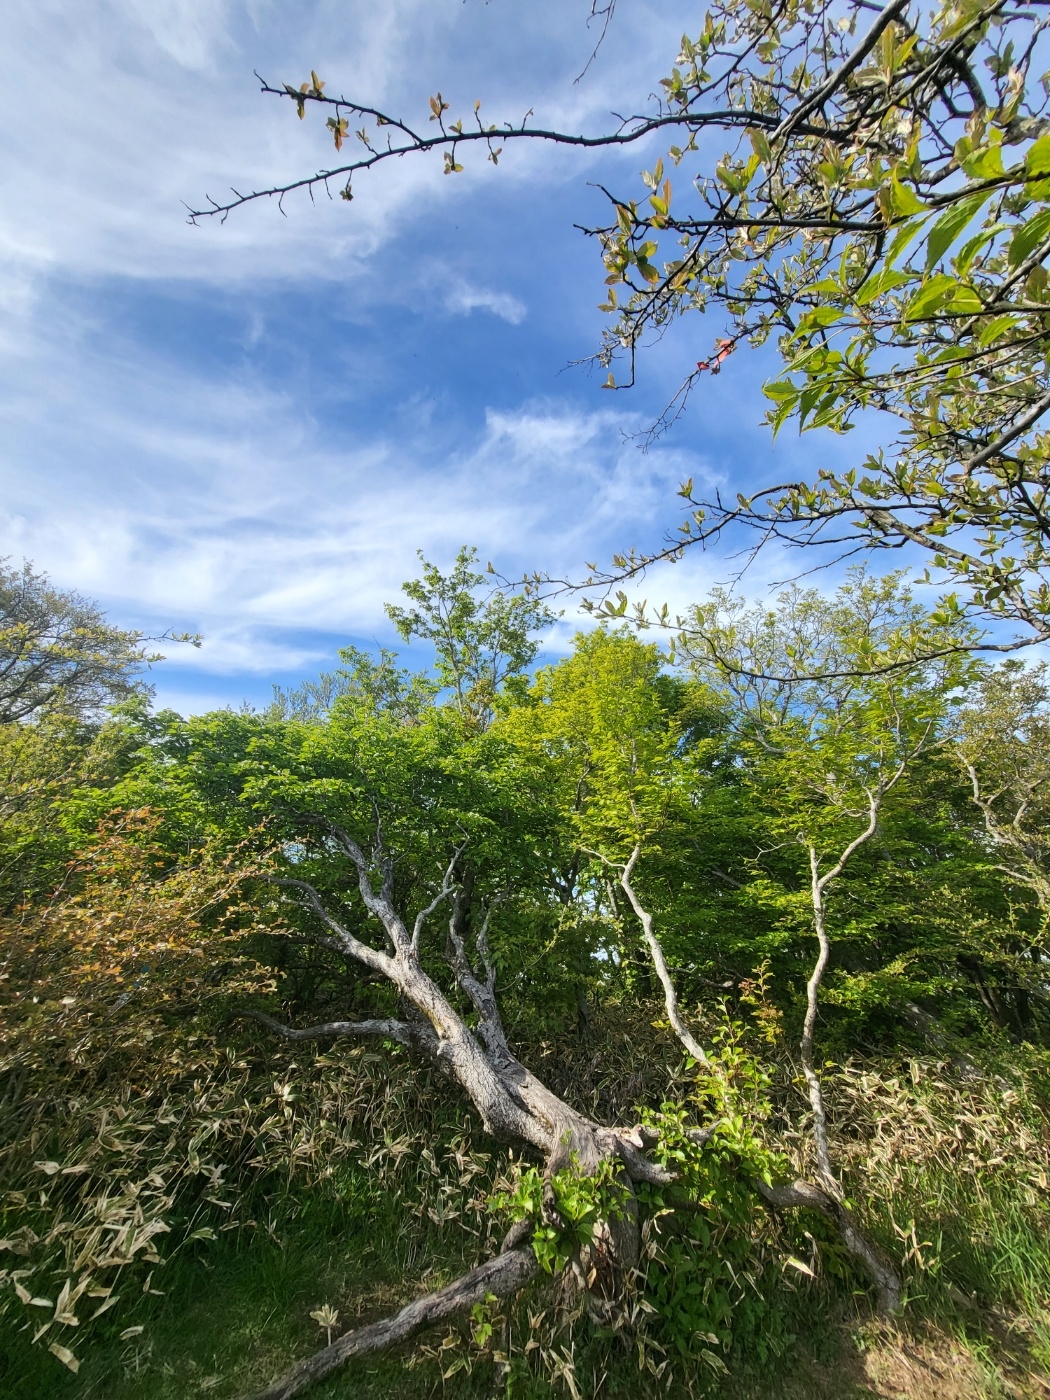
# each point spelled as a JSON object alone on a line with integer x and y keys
{"x": 348, "y": 1179}
{"x": 920, "y": 1363}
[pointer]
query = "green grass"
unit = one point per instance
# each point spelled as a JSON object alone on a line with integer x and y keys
{"x": 235, "y": 1311}
{"x": 234, "y": 1314}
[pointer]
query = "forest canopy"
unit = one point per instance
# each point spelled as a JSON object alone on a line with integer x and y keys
{"x": 731, "y": 978}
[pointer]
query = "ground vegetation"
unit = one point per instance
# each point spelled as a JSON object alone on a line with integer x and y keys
{"x": 623, "y": 1022}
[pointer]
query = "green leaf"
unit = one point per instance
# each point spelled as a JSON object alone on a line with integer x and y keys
{"x": 964, "y": 261}
{"x": 879, "y": 284}
{"x": 780, "y": 389}
{"x": 950, "y": 353}
{"x": 965, "y": 301}
{"x": 984, "y": 164}
{"x": 819, "y": 317}
{"x": 760, "y": 145}
{"x": 904, "y": 236}
{"x": 930, "y": 295}
{"x": 1029, "y": 236}
{"x": 948, "y": 227}
{"x": 995, "y": 328}
{"x": 1037, "y": 161}
{"x": 902, "y": 200}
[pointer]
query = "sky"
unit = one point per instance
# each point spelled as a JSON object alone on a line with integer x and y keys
{"x": 247, "y": 430}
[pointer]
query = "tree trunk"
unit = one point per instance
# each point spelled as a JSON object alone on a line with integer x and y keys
{"x": 827, "y": 1198}
{"x": 513, "y": 1104}
{"x": 889, "y": 1289}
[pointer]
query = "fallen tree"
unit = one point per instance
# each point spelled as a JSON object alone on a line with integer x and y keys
{"x": 515, "y": 1107}
{"x": 510, "y": 1270}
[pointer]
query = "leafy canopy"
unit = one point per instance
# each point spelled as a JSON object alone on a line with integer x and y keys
{"x": 58, "y": 652}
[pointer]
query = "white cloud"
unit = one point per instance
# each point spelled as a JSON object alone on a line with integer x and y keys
{"x": 464, "y": 299}
{"x": 221, "y": 505}
{"x": 245, "y": 651}
{"x": 159, "y": 105}
{"x": 193, "y": 486}
{"x": 188, "y": 31}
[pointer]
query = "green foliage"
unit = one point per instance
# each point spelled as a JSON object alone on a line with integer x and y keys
{"x": 379, "y": 684}
{"x": 132, "y": 1109}
{"x": 869, "y": 190}
{"x": 482, "y": 646}
{"x": 583, "y": 1201}
{"x": 58, "y": 654}
{"x": 884, "y": 217}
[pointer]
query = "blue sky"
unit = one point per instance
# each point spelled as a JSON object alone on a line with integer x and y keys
{"x": 248, "y": 430}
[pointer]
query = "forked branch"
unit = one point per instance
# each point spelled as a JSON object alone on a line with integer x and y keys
{"x": 803, "y": 1194}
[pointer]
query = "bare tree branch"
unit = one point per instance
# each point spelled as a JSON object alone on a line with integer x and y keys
{"x": 499, "y": 1277}
{"x": 402, "y": 1031}
{"x": 353, "y": 947}
{"x": 448, "y": 884}
{"x": 663, "y": 972}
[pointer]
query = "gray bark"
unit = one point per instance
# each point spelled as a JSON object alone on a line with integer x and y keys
{"x": 501, "y": 1276}
{"x": 663, "y": 972}
{"x": 514, "y": 1106}
{"x": 826, "y": 1198}
{"x": 884, "y": 1275}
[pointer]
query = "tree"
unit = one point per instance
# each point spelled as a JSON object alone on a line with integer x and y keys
{"x": 41, "y": 765}
{"x": 880, "y": 207}
{"x": 62, "y": 665}
{"x": 480, "y": 644}
{"x": 1003, "y": 745}
{"x": 825, "y": 756}
{"x": 382, "y": 817}
{"x": 382, "y": 821}
{"x": 382, "y": 683}
{"x": 374, "y": 819}
{"x": 58, "y": 653}
{"x": 829, "y": 751}
{"x": 612, "y": 730}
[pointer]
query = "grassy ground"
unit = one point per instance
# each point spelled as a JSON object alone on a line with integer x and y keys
{"x": 232, "y": 1317}
{"x": 394, "y": 1204}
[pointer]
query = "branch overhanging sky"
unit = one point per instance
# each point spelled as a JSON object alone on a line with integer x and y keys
{"x": 248, "y": 430}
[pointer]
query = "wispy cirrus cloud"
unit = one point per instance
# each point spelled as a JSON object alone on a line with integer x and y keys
{"x": 248, "y": 429}
{"x": 225, "y": 506}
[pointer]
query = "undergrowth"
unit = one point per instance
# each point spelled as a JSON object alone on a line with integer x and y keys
{"x": 206, "y": 1228}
